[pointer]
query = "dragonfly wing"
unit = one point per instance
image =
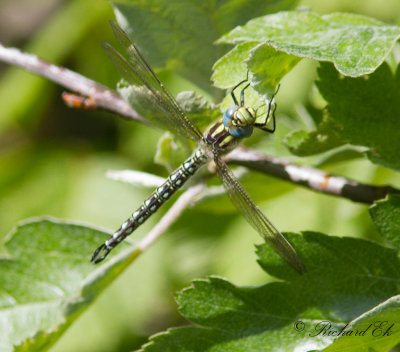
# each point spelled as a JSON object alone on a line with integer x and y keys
{"x": 253, "y": 214}
{"x": 150, "y": 97}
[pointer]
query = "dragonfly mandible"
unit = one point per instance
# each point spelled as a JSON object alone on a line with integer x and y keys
{"x": 236, "y": 123}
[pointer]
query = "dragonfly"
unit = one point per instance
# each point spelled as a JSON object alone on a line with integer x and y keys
{"x": 237, "y": 123}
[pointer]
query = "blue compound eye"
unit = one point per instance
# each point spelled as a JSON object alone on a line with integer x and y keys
{"x": 228, "y": 115}
{"x": 241, "y": 132}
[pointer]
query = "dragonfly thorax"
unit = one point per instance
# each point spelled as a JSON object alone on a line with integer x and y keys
{"x": 239, "y": 120}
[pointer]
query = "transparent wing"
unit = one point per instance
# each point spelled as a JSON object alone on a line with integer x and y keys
{"x": 150, "y": 96}
{"x": 253, "y": 214}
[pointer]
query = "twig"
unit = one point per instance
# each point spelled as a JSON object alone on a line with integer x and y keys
{"x": 101, "y": 96}
{"x": 309, "y": 177}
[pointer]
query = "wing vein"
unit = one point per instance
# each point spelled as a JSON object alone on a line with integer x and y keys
{"x": 253, "y": 214}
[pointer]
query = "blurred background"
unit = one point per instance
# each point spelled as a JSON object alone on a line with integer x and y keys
{"x": 53, "y": 162}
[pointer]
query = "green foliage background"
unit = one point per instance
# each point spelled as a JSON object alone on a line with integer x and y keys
{"x": 53, "y": 162}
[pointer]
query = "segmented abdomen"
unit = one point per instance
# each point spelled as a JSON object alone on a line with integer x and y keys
{"x": 158, "y": 197}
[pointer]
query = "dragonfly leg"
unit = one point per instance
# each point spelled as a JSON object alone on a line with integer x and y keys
{"x": 235, "y": 87}
{"x": 263, "y": 126}
{"x": 270, "y": 115}
{"x": 242, "y": 94}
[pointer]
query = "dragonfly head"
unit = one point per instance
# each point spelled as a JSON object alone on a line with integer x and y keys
{"x": 239, "y": 120}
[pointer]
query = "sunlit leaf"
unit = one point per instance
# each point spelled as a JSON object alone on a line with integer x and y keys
{"x": 345, "y": 278}
{"x": 47, "y": 281}
{"x": 361, "y": 111}
{"x": 180, "y": 34}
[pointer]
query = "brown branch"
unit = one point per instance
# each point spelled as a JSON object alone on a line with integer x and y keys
{"x": 100, "y": 95}
{"x": 90, "y": 95}
{"x": 309, "y": 177}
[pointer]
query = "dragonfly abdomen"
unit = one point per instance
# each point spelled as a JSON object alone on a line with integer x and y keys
{"x": 175, "y": 181}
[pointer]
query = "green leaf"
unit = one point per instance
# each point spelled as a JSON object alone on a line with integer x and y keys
{"x": 346, "y": 277}
{"x": 165, "y": 154}
{"x": 377, "y": 330}
{"x": 325, "y": 138}
{"x": 231, "y": 318}
{"x": 47, "y": 281}
{"x": 180, "y": 34}
{"x": 361, "y": 111}
{"x": 266, "y": 64}
{"x": 199, "y": 109}
{"x": 386, "y": 216}
{"x": 356, "y": 45}
{"x": 171, "y": 151}
{"x": 268, "y": 67}
{"x": 231, "y": 68}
